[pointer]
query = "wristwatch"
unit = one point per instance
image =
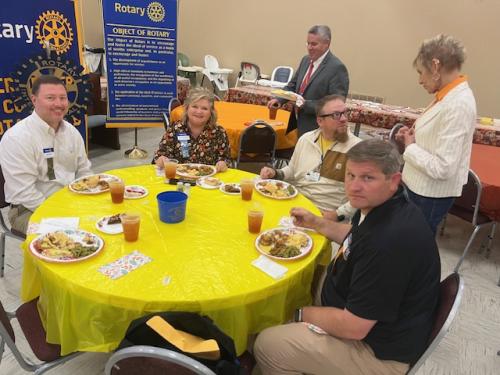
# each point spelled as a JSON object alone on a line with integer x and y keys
{"x": 297, "y": 316}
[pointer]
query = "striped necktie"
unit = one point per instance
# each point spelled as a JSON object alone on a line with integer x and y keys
{"x": 306, "y": 79}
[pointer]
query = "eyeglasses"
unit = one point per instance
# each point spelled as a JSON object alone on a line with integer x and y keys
{"x": 335, "y": 115}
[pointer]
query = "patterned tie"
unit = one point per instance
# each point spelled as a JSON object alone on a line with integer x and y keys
{"x": 306, "y": 79}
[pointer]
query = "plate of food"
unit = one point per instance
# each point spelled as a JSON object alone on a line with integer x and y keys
{"x": 66, "y": 246}
{"x": 276, "y": 189}
{"x": 195, "y": 170}
{"x": 135, "y": 192}
{"x": 284, "y": 243}
{"x": 231, "y": 188}
{"x": 93, "y": 184}
{"x": 283, "y": 94}
{"x": 209, "y": 182}
{"x": 111, "y": 224}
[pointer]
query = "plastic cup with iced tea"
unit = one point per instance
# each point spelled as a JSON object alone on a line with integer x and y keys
{"x": 117, "y": 190}
{"x": 131, "y": 223}
{"x": 246, "y": 186}
{"x": 170, "y": 168}
{"x": 255, "y": 216}
{"x": 273, "y": 111}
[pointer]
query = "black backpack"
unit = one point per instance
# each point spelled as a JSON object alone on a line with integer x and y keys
{"x": 139, "y": 333}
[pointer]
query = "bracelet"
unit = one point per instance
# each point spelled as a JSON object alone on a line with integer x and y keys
{"x": 297, "y": 317}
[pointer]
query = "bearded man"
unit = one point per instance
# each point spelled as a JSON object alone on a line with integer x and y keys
{"x": 317, "y": 166}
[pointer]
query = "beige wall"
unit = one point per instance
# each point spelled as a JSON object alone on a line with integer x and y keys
{"x": 377, "y": 40}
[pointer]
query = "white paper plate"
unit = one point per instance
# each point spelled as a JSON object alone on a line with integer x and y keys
{"x": 223, "y": 188}
{"x": 282, "y": 185}
{"x": 202, "y": 182}
{"x": 135, "y": 192}
{"x": 103, "y": 226}
{"x": 304, "y": 250}
{"x": 90, "y": 191}
{"x": 75, "y": 235}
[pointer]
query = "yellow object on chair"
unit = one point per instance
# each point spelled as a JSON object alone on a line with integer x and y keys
{"x": 201, "y": 348}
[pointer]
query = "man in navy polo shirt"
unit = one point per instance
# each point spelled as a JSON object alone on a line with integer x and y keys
{"x": 380, "y": 290}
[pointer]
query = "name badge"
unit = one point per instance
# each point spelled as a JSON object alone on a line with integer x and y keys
{"x": 48, "y": 152}
{"x": 312, "y": 176}
{"x": 183, "y": 137}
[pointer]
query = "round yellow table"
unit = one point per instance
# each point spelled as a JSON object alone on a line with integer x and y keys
{"x": 207, "y": 259}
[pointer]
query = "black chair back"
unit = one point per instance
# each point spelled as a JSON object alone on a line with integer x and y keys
{"x": 3, "y": 203}
{"x": 257, "y": 143}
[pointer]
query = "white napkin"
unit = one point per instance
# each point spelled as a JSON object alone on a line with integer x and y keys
{"x": 51, "y": 224}
{"x": 273, "y": 269}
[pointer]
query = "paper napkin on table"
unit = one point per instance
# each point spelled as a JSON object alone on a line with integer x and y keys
{"x": 207, "y": 349}
{"x": 124, "y": 265}
{"x": 52, "y": 224}
{"x": 273, "y": 269}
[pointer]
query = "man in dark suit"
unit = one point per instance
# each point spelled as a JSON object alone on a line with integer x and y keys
{"x": 320, "y": 73}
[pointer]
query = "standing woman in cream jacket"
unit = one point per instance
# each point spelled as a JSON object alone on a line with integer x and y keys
{"x": 438, "y": 147}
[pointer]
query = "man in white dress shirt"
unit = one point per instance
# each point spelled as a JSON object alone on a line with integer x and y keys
{"x": 41, "y": 153}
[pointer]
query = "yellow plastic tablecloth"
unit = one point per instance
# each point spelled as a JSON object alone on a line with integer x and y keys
{"x": 234, "y": 117}
{"x": 207, "y": 257}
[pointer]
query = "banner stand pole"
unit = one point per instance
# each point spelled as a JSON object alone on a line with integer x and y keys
{"x": 136, "y": 152}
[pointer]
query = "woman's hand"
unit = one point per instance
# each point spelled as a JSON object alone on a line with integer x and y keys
{"x": 267, "y": 172}
{"x": 221, "y": 166}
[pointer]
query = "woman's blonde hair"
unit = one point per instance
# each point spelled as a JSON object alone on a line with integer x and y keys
{"x": 449, "y": 51}
{"x": 197, "y": 94}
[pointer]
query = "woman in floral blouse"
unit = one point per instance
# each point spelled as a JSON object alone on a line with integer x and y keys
{"x": 196, "y": 138}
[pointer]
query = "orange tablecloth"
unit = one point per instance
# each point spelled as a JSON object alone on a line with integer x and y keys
{"x": 233, "y": 116}
{"x": 485, "y": 162}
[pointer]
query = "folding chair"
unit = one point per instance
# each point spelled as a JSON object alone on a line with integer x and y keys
{"x": 466, "y": 207}
{"x": 257, "y": 144}
{"x": 450, "y": 296}
{"x": 149, "y": 360}
{"x": 6, "y": 231}
{"x": 31, "y": 325}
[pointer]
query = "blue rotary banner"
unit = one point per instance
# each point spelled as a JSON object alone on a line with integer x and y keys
{"x": 140, "y": 39}
{"x": 36, "y": 38}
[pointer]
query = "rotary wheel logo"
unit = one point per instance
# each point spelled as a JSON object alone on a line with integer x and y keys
{"x": 53, "y": 28}
{"x": 77, "y": 85}
{"x": 156, "y": 12}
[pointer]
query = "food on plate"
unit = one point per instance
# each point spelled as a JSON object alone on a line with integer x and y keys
{"x": 289, "y": 95}
{"x": 94, "y": 182}
{"x": 134, "y": 192}
{"x": 283, "y": 243}
{"x": 276, "y": 189}
{"x": 211, "y": 181}
{"x": 58, "y": 245}
{"x": 195, "y": 170}
{"x": 232, "y": 188}
{"x": 115, "y": 219}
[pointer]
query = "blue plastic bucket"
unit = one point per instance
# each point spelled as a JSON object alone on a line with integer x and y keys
{"x": 172, "y": 206}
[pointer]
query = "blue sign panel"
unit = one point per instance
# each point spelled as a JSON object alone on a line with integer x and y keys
{"x": 140, "y": 39}
{"x": 36, "y": 38}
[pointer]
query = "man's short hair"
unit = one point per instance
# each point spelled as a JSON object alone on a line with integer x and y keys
{"x": 326, "y": 99}
{"x": 322, "y": 30}
{"x": 45, "y": 80}
{"x": 382, "y": 153}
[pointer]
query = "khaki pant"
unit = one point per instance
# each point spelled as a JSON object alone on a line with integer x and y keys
{"x": 19, "y": 217}
{"x": 293, "y": 349}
